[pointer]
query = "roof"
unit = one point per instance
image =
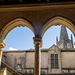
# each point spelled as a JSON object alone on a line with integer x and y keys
{"x": 68, "y": 49}
{"x": 42, "y": 50}
{"x": 9, "y": 68}
{"x": 30, "y": 50}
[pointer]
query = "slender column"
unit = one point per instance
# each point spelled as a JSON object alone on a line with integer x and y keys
{"x": 38, "y": 43}
{"x": 2, "y": 45}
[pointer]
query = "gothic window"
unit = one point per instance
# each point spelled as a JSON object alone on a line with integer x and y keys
{"x": 19, "y": 66}
{"x": 54, "y": 60}
{"x": 19, "y": 60}
{"x": 19, "y": 63}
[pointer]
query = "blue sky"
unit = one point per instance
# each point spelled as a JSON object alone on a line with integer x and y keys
{"x": 21, "y": 38}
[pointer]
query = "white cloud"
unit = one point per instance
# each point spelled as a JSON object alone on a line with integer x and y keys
{"x": 12, "y": 49}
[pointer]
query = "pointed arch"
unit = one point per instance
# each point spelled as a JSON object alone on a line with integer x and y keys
{"x": 58, "y": 20}
{"x": 13, "y": 24}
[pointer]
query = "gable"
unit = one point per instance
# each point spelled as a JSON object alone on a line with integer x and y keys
{"x": 54, "y": 48}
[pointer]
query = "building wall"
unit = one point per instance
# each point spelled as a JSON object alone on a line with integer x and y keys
{"x": 10, "y": 58}
{"x": 30, "y": 60}
{"x": 65, "y": 60}
{"x": 30, "y": 56}
{"x": 44, "y": 60}
{"x": 68, "y": 59}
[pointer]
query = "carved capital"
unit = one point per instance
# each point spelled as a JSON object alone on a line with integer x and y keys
{"x": 2, "y": 45}
{"x": 38, "y": 40}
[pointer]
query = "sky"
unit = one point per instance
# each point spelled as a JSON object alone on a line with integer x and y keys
{"x": 21, "y": 38}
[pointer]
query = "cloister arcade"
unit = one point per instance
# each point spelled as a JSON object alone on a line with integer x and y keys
{"x": 38, "y": 18}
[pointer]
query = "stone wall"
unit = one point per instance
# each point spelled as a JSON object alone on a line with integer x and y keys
{"x": 68, "y": 59}
{"x": 30, "y": 59}
{"x": 44, "y": 60}
{"x": 26, "y": 60}
{"x": 13, "y": 58}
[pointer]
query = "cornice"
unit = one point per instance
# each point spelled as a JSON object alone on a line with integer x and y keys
{"x": 37, "y": 6}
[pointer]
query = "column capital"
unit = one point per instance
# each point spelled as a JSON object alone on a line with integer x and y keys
{"x": 2, "y": 45}
{"x": 38, "y": 40}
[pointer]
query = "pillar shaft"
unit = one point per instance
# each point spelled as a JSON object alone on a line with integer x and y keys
{"x": 0, "y": 57}
{"x": 37, "y": 60}
{"x": 37, "y": 42}
{"x": 2, "y": 45}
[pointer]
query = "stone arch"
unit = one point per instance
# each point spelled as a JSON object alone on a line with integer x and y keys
{"x": 13, "y": 24}
{"x": 58, "y": 21}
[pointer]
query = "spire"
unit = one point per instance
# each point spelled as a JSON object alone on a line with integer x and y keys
{"x": 64, "y": 39}
{"x": 72, "y": 41}
{"x": 63, "y": 35}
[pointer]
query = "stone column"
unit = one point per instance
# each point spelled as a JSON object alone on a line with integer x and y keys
{"x": 2, "y": 45}
{"x": 38, "y": 44}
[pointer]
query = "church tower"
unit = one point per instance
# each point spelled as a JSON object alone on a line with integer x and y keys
{"x": 64, "y": 41}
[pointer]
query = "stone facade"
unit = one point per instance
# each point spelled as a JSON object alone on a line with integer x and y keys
{"x": 23, "y": 61}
